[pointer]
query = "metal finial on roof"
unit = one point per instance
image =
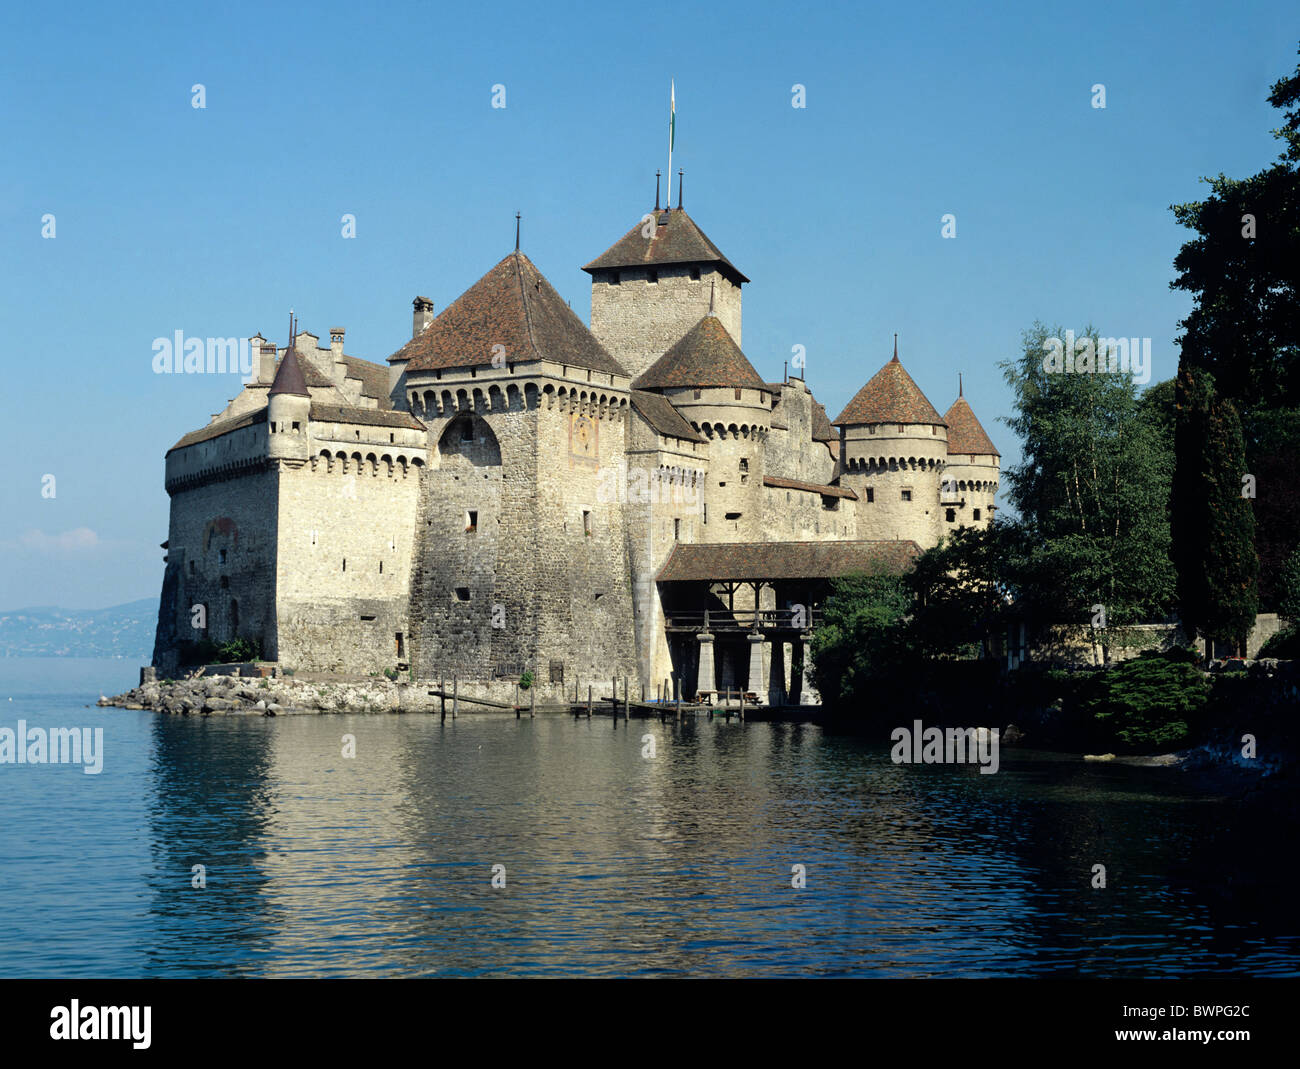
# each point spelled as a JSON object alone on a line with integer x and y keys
{"x": 959, "y": 384}
{"x": 516, "y": 231}
{"x": 680, "y": 176}
{"x": 657, "y": 173}
{"x": 895, "y": 345}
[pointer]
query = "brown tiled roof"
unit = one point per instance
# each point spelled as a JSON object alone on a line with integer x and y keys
{"x": 822, "y": 431}
{"x": 289, "y": 376}
{"x": 740, "y": 561}
{"x": 707, "y": 355}
{"x": 225, "y": 426}
{"x": 890, "y": 397}
{"x": 367, "y": 417}
{"x": 658, "y": 411}
{"x": 795, "y": 484}
{"x": 965, "y": 435}
{"x": 675, "y": 239}
{"x": 513, "y": 306}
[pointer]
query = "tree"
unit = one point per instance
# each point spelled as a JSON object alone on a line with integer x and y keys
{"x": 1092, "y": 488}
{"x": 859, "y": 646}
{"x": 1244, "y": 327}
{"x": 1213, "y": 523}
{"x": 961, "y": 592}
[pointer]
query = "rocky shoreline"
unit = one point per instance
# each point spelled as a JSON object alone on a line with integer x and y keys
{"x": 225, "y": 695}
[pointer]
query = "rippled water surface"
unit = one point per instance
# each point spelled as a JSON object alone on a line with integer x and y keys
{"x": 615, "y": 864}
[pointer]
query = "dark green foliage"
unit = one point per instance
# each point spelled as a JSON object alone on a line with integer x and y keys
{"x": 1148, "y": 703}
{"x": 1285, "y": 645}
{"x": 235, "y": 651}
{"x": 859, "y": 647}
{"x": 1213, "y": 525}
{"x": 1273, "y": 456}
{"x": 391, "y": 674}
{"x": 527, "y": 679}
{"x": 1092, "y": 491}
{"x": 960, "y": 592}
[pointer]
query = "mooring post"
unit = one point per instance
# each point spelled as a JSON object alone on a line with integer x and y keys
{"x": 627, "y": 701}
{"x": 532, "y": 700}
{"x": 455, "y": 695}
{"x": 613, "y": 695}
{"x": 442, "y": 692}
{"x": 677, "y": 689}
{"x": 588, "y": 701}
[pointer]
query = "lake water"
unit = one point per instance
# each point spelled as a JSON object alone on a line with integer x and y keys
{"x": 615, "y": 864}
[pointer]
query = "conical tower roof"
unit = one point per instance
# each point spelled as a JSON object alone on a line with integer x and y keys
{"x": 288, "y": 376}
{"x": 675, "y": 239}
{"x": 706, "y": 355}
{"x": 965, "y": 434}
{"x": 890, "y": 397}
{"x": 515, "y": 307}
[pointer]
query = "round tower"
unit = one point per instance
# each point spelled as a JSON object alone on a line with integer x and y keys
{"x": 969, "y": 490}
{"x": 893, "y": 451}
{"x": 713, "y": 385}
{"x": 288, "y": 409}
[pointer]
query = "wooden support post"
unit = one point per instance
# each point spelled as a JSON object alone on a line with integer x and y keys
{"x": 677, "y": 689}
{"x": 442, "y": 691}
{"x": 455, "y": 695}
{"x": 627, "y": 701}
{"x": 532, "y": 700}
{"x": 643, "y": 692}
{"x": 588, "y": 701}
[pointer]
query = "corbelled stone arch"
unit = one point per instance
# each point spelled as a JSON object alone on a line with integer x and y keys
{"x": 469, "y": 440}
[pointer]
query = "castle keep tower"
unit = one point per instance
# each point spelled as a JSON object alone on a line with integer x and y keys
{"x": 893, "y": 450}
{"x": 652, "y": 285}
{"x": 521, "y": 561}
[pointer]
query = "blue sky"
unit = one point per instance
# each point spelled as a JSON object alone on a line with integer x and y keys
{"x": 217, "y": 221}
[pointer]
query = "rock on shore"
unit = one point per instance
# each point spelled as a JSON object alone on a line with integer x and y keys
{"x": 242, "y": 695}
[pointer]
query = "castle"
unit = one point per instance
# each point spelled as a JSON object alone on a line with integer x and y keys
{"x": 517, "y": 492}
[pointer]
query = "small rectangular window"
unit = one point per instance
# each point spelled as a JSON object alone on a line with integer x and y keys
{"x": 613, "y": 278}
{"x": 871, "y": 495}
{"x": 900, "y": 428}
{"x": 951, "y": 515}
{"x": 907, "y": 495}
{"x": 975, "y": 513}
{"x": 705, "y": 513}
{"x": 462, "y": 593}
{"x": 737, "y": 393}
{"x": 871, "y": 429}
{"x": 695, "y": 274}
{"x": 652, "y": 276}
{"x": 586, "y": 522}
{"x": 732, "y": 516}
{"x": 697, "y": 395}
{"x": 677, "y": 530}
{"x": 471, "y": 521}
{"x": 295, "y": 425}
{"x": 345, "y": 564}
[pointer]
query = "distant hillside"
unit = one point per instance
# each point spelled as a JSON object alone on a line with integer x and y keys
{"x": 119, "y": 631}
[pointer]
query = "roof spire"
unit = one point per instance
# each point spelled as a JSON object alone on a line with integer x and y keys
{"x": 895, "y": 345}
{"x": 288, "y": 376}
{"x": 516, "y": 231}
{"x": 959, "y": 393}
{"x": 657, "y": 173}
{"x": 680, "y": 173}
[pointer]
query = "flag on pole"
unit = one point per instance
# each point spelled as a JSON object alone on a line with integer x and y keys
{"x": 672, "y": 135}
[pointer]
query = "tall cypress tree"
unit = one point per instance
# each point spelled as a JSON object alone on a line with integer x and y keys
{"x": 1213, "y": 523}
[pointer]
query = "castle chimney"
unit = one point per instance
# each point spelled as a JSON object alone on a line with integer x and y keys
{"x": 336, "y": 351}
{"x": 423, "y": 315}
{"x": 266, "y": 365}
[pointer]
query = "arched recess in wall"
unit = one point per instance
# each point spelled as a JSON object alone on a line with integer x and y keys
{"x": 469, "y": 440}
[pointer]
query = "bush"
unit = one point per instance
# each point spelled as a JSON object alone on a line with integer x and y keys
{"x": 1147, "y": 703}
{"x": 391, "y": 674}
{"x": 526, "y": 680}
{"x": 238, "y": 650}
{"x": 1285, "y": 645}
